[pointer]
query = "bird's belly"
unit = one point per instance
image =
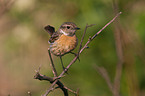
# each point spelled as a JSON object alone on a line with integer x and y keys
{"x": 63, "y": 45}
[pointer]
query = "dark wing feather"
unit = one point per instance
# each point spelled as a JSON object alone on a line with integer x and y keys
{"x": 54, "y": 37}
{"x": 49, "y": 29}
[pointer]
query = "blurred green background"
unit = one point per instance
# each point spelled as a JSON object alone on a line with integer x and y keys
{"x": 23, "y": 46}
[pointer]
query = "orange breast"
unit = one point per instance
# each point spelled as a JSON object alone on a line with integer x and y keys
{"x": 63, "y": 45}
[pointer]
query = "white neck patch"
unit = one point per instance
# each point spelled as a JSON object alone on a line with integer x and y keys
{"x": 61, "y": 31}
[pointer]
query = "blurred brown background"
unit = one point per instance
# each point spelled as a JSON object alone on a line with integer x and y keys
{"x": 23, "y": 45}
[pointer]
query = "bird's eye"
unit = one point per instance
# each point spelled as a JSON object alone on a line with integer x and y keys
{"x": 68, "y": 27}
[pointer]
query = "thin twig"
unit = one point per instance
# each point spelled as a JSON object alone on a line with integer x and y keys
{"x": 70, "y": 90}
{"x": 43, "y": 77}
{"x": 64, "y": 71}
{"x": 54, "y": 88}
{"x": 84, "y": 36}
{"x": 85, "y": 46}
{"x": 49, "y": 90}
{"x": 106, "y": 25}
{"x": 60, "y": 85}
{"x": 53, "y": 81}
{"x": 52, "y": 64}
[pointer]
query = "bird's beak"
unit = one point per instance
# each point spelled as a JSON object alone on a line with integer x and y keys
{"x": 77, "y": 28}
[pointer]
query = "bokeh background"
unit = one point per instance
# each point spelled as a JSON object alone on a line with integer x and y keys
{"x": 23, "y": 46}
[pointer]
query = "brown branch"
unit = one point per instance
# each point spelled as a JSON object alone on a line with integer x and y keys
{"x": 60, "y": 85}
{"x": 84, "y": 36}
{"x": 90, "y": 39}
{"x": 52, "y": 64}
{"x": 43, "y": 77}
{"x": 50, "y": 88}
{"x": 53, "y": 81}
{"x": 70, "y": 90}
{"x": 64, "y": 71}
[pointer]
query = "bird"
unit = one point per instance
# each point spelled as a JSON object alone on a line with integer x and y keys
{"x": 64, "y": 40}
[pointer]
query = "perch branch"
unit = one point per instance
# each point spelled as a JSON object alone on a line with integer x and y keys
{"x": 60, "y": 85}
{"x": 90, "y": 39}
{"x": 50, "y": 88}
{"x": 84, "y": 36}
{"x": 52, "y": 64}
{"x": 70, "y": 90}
{"x": 53, "y": 80}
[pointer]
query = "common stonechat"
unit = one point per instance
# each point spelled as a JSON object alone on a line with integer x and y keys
{"x": 64, "y": 40}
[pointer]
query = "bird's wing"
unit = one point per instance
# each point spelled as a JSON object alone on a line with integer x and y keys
{"x": 50, "y": 29}
{"x": 54, "y": 37}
